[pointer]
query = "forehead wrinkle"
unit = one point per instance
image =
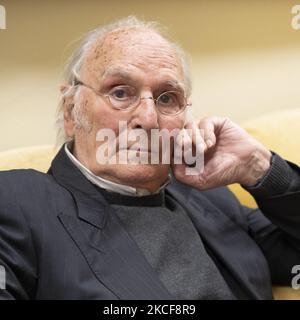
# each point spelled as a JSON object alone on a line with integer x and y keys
{"x": 149, "y": 53}
{"x": 116, "y": 72}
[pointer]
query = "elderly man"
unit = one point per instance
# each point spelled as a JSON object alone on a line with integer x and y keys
{"x": 92, "y": 229}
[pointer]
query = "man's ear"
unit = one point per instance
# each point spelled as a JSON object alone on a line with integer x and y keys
{"x": 68, "y": 105}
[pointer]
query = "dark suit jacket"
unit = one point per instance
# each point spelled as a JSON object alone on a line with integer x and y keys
{"x": 60, "y": 239}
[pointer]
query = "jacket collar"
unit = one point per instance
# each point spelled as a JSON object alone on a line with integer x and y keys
{"x": 92, "y": 206}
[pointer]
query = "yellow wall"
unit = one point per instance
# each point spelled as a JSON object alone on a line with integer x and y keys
{"x": 245, "y": 56}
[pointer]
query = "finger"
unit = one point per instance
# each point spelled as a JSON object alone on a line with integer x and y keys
{"x": 187, "y": 141}
{"x": 184, "y": 143}
{"x": 179, "y": 147}
{"x": 196, "y": 136}
{"x": 211, "y": 125}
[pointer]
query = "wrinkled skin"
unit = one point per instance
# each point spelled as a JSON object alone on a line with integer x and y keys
{"x": 145, "y": 60}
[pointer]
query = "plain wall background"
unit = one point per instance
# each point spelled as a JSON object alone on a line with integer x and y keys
{"x": 245, "y": 56}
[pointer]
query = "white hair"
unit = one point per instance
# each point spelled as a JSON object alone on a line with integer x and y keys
{"x": 75, "y": 62}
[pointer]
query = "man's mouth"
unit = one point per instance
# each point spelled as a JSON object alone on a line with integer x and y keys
{"x": 139, "y": 150}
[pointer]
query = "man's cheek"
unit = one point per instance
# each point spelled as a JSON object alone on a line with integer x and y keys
{"x": 105, "y": 119}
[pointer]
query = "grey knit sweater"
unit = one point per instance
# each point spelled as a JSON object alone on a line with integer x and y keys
{"x": 168, "y": 239}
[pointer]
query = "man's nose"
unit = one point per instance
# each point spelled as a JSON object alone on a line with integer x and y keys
{"x": 145, "y": 115}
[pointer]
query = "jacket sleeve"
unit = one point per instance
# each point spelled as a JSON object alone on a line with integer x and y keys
{"x": 275, "y": 225}
{"x": 17, "y": 254}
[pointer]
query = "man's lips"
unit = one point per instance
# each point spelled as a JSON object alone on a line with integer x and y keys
{"x": 137, "y": 149}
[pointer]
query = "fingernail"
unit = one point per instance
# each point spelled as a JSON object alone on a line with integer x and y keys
{"x": 209, "y": 143}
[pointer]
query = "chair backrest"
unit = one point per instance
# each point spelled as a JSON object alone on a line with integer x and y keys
{"x": 278, "y": 131}
{"x": 37, "y": 157}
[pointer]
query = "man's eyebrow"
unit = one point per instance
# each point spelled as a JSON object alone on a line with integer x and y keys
{"x": 176, "y": 84}
{"x": 113, "y": 72}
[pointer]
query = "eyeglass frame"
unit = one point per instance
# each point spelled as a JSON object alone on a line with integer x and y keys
{"x": 77, "y": 82}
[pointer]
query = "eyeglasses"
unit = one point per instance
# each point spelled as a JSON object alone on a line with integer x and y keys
{"x": 125, "y": 97}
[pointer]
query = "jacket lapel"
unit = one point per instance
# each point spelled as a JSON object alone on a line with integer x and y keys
{"x": 114, "y": 258}
{"x": 229, "y": 241}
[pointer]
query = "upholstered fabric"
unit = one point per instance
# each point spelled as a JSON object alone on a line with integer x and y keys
{"x": 278, "y": 131}
{"x": 37, "y": 157}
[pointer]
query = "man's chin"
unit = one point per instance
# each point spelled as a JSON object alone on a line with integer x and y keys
{"x": 139, "y": 174}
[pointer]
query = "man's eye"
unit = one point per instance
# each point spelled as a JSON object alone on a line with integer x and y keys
{"x": 167, "y": 99}
{"x": 121, "y": 93}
